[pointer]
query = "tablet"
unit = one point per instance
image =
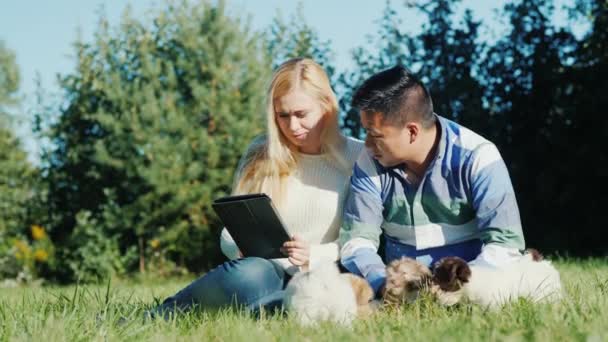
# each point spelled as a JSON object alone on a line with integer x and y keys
{"x": 254, "y": 224}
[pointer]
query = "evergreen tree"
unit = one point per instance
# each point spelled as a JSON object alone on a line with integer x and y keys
{"x": 15, "y": 171}
{"x": 389, "y": 47}
{"x": 18, "y": 186}
{"x": 156, "y": 116}
{"x": 526, "y": 79}
{"x": 445, "y": 56}
{"x": 442, "y": 54}
{"x": 296, "y": 38}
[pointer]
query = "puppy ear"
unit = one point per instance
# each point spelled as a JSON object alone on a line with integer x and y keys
{"x": 450, "y": 273}
{"x": 462, "y": 270}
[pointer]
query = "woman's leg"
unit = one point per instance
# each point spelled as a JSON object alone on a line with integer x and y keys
{"x": 249, "y": 283}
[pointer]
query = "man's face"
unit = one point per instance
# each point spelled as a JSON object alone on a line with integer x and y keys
{"x": 388, "y": 143}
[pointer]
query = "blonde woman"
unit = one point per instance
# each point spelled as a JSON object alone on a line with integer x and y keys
{"x": 303, "y": 163}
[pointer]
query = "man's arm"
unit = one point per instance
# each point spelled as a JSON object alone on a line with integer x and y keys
{"x": 360, "y": 230}
{"x": 496, "y": 208}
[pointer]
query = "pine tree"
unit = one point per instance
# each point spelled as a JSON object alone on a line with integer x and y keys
{"x": 296, "y": 38}
{"x": 15, "y": 171}
{"x": 157, "y": 115}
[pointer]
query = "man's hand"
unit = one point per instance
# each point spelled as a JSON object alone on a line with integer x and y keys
{"x": 297, "y": 251}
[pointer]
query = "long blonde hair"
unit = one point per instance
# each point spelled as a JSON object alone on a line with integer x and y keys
{"x": 270, "y": 160}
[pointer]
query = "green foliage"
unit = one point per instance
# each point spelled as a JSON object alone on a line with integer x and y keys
{"x": 94, "y": 256}
{"x": 157, "y": 114}
{"x": 16, "y": 177}
{"x": 9, "y": 76}
{"x": 296, "y": 38}
{"x": 443, "y": 54}
{"x": 388, "y": 47}
{"x": 543, "y": 90}
{"x": 21, "y": 254}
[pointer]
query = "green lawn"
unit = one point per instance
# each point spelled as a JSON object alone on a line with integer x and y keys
{"x": 90, "y": 313}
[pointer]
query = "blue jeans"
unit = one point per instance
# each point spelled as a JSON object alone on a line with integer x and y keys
{"x": 250, "y": 283}
{"x": 467, "y": 250}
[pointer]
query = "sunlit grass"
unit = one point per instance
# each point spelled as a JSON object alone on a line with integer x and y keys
{"x": 84, "y": 313}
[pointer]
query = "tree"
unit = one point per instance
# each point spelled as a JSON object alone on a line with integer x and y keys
{"x": 391, "y": 48}
{"x": 446, "y": 55}
{"x": 19, "y": 189}
{"x": 296, "y": 38}
{"x": 156, "y": 116}
{"x": 15, "y": 171}
{"x": 442, "y": 54}
{"x": 545, "y": 90}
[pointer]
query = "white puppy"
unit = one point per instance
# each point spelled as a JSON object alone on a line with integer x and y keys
{"x": 324, "y": 294}
{"x": 455, "y": 281}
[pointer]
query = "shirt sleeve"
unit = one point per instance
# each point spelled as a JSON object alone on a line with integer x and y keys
{"x": 360, "y": 231}
{"x": 496, "y": 256}
{"x": 494, "y": 199}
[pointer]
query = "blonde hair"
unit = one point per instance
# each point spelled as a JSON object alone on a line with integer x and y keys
{"x": 268, "y": 162}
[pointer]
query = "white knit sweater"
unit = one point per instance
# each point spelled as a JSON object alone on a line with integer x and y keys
{"x": 315, "y": 194}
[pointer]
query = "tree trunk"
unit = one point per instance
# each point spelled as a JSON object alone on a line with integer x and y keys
{"x": 142, "y": 260}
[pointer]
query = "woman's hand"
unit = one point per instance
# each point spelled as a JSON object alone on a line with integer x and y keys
{"x": 297, "y": 251}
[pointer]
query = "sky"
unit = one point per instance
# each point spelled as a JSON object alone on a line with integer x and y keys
{"x": 41, "y": 33}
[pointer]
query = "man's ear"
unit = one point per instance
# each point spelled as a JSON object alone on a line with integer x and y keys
{"x": 413, "y": 129}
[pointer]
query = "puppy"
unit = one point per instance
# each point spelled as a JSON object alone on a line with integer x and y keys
{"x": 405, "y": 279}
{"x": 364, "y": 294}
{"x": 324, "y": 294}
{"x": 456, "y": 281}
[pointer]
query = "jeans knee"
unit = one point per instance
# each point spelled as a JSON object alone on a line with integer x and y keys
{"x": 255, "y": 271}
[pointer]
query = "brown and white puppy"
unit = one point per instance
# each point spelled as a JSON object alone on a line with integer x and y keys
{"x": 325, "y": 294}
{"x": 364, "y": 294}
{"x": 530, "y": 277}
{"x": 405, "y": 279}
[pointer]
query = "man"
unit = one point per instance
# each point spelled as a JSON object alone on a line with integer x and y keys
{"x": 432, "y": 187}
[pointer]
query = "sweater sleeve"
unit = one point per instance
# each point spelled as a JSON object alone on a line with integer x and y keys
{"x": 228, "y": 246}
{"x": 322, "y": 253}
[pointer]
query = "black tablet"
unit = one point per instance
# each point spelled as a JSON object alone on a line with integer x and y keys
{"x": 254, "y": 224}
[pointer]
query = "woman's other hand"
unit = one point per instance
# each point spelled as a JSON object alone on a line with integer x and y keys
{"x": 297, "y": 251}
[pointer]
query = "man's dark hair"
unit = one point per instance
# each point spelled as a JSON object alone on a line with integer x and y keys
{"x": 398, "y": 95}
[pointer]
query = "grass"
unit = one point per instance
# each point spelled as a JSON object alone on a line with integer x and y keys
{"x": 85, "y": 313}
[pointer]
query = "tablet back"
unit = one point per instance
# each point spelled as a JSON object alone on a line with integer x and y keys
{"x": 253, "y": 223}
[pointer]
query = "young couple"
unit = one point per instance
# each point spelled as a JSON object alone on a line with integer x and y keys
{"x": 429, "y": 186}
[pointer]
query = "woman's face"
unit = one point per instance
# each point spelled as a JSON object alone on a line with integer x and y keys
{"x": 300, "y": 119}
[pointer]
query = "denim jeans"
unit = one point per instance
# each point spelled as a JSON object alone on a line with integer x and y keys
{"x": 467, "y": 250}
{"x": 250, "y": 283}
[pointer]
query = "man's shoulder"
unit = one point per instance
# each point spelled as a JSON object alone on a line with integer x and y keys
{"x": 354, "y": 147}
{"x": 465, "y": 145}
{"x": 461, "y": 137}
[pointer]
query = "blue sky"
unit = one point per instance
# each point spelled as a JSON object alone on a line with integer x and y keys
{"x": 41, "y": 32}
